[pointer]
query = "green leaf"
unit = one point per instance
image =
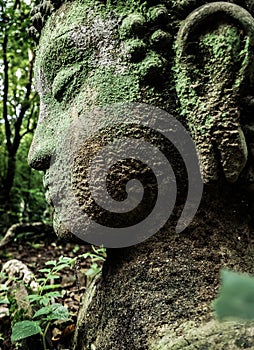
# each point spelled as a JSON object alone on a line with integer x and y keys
{"x": 60, "y": 312}
{"x": 43, "y": 311}
{"x": 45, "y": 298}
{"x": 51, "y": 286}
{"x": 100, "y": 251}
{"x": 45, "y": 270}
{"x": 33, "y": 297}
{"x": 53, "y": 312}
{"x": 41, "y": 280}
{"x": 24, "y": 329}
{"x": 3, "y": 287}
{"x": 62, "y": 266}
{"x": 4, "y": 300}
{"x": 52, "y": 295}
{"x": 236, "y": 297}
{"x": 45, "y": 301}
{"x": 51, "y": 262}
{"x": 65, "y": 260}
{"x": 52, "y": 277}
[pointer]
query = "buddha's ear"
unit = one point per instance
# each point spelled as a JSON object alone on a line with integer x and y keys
{"x": 214, "y": 55}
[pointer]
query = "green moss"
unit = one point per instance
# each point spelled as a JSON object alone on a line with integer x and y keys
{"x": 55, "y": 50}
{"x": 221, "y": 64}
{"x": 161, "y": 39}
{"x": 158, "y": 14}
{"x": 210, "y": 71}
{"x": 112, "y": 87}
{"x": 154, "y": 65}
{"x": 228, "y": 41}
{"x": 124, "y": 7}
{"x": 136, "y": 49}
{"x": 132, "y": 25}
{"x": 68, "y": 81}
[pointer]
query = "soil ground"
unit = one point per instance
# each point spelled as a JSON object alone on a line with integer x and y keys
{"x": 35, "y": 251}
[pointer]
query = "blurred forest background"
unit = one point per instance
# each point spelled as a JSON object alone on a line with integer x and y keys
{"x": 21, "y": 191}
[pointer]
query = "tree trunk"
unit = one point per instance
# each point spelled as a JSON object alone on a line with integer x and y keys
{"x": 5, "y": 197}
{"x": 14, "y": 127}
{"x": 9, "y": 178}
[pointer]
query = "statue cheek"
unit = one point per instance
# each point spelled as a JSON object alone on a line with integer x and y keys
{"x": 214, "y": 52}
{"x": 111, "y": 181}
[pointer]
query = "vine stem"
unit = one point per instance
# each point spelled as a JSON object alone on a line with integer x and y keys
{"x": 44, "y": 336}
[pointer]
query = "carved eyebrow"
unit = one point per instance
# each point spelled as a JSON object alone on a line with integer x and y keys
{"x": 60, "y": 51}
{"x": 68, "y": 31}
{"x": 57, "y": 39}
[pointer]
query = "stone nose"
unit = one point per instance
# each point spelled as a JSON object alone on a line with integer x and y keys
{"x": 46, "y": 136}
{"x": 41, "y": 150}
{"x": 39, "y": 157}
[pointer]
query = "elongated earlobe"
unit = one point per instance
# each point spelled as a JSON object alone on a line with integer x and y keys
{"x": 214, "y": 49}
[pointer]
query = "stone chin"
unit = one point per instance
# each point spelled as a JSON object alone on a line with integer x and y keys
{"x": 61, "y": 231}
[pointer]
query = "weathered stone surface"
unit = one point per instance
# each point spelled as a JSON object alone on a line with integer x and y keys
{"x": 212, "y": 336}
{"x": 167, "y": 283}
{"x": 199, "y": 67}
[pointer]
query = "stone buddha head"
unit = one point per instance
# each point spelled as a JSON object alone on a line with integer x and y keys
{"x": 191, "y": 59}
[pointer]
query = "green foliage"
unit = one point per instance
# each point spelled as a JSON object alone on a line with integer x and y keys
{"x": 99, "y": 255}
{"x": 236, "y": 297}
{"x": 21, "y": 195}
{"x": 53, "y": 312}
{"x": 27, "y": 192}
{"x": 24, "y": 329}
{"x": 45, "y": 315}
{"x": 44, "y": 311}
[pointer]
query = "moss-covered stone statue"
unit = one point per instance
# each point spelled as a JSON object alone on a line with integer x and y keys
{"x": 194, "y": 60}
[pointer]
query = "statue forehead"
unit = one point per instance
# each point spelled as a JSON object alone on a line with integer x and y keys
{"x": 87, "y": 24}
{"x": 68, "y": 36}
{"x": 79, "y": 27}
{"x": 73, "y": 14}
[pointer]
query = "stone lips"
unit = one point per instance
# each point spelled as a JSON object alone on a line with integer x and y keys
{"x": 117, "y": 188}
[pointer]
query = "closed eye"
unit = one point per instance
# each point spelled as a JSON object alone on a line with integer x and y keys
{"x": 61, "y": 53}
{"x": 64, "y": 78}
